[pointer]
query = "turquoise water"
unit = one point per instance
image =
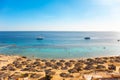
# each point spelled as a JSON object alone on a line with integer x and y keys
{"x": 60, "y": 44}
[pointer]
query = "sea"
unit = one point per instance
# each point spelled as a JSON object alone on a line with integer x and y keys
{"x": 59, "y": 44}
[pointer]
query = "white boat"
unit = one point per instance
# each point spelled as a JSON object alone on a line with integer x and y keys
{"x": 87, "y": 38}
{"x": 40, "y": 38}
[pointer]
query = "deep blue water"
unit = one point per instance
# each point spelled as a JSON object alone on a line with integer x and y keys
{"x": 59, "y": 44}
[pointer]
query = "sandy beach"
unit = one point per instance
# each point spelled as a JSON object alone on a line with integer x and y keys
{"x": 23, "y": 68}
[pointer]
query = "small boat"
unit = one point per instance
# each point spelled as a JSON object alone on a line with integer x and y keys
{"x": 87, "y": 38}
{"x": 40, "y": 38}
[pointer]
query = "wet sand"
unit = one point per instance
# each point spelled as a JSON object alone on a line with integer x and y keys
{"x": 23, "y": 68}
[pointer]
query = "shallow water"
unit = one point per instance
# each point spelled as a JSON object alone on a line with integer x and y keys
{"x": 60, "y": 44}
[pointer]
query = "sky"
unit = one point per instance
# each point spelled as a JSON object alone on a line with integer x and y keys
{"x": 59, "y": 15}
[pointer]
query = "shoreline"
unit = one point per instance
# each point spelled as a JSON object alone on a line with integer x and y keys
{"x": 33, "y": 57}
{"x": 21, "y": 67}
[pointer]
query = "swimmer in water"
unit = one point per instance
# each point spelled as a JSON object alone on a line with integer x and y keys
{"x": 104, "y": 47}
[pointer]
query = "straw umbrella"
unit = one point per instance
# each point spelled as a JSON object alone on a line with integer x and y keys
{"x": 68, "y": 64}
{"x": 89, "y": 67}
{"x": 34, "y": 75}
{"x": 111, "y": 67}
{"x": 73, "y": 70}
{"x": 66, "y": 75}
